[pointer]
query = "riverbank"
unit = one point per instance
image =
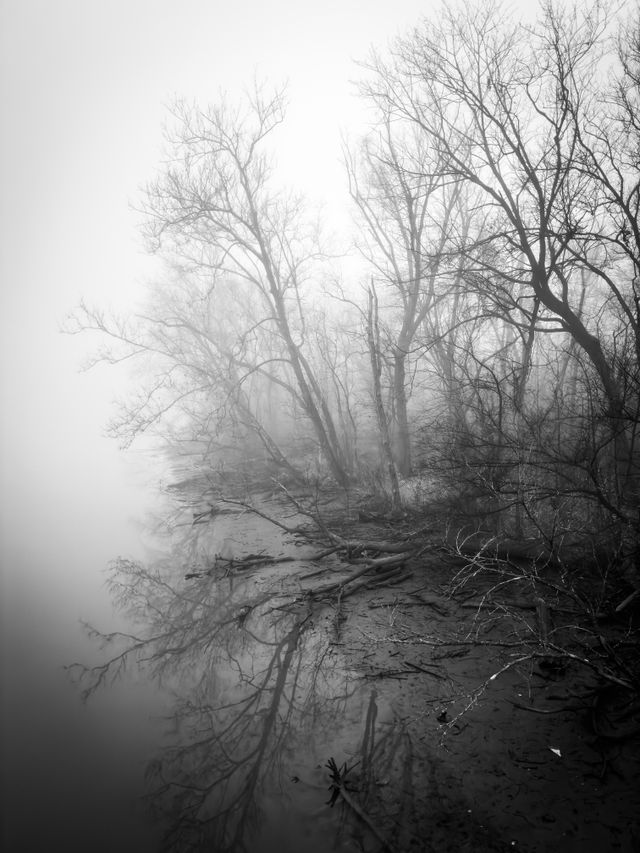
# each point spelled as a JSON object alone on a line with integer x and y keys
{"x": 346, "y": 680}
{"x": 502, "y": 721}
{"x": 506, "y": 735}
{"x": 492, "y": 762}
{"x": 511, "y": 738}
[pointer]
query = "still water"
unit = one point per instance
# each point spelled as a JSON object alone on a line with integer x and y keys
{"x": 233, "y": 699}
{"x": 70, "y": 773}
{"x": 261, "y": 700}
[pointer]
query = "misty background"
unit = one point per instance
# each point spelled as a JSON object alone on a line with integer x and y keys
{"x": 84, "y": 92}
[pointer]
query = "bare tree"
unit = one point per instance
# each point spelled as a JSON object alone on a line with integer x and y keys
{"x": 498, "y": 101}
{"x": 407, "y": 212}
{"x": 373, "y": 340}
{"x": 216, "y": 213}
{"x": 216, "y": 205}
{"x": 202, "y": 372}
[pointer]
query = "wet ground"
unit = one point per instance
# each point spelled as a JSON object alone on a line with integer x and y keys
{"x": 412, "y": 715}
{"x": 502, "y": 763}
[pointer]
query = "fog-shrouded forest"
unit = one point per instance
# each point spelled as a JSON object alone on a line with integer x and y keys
{"x": 480, "y": 327}
{"x": 457, "y": 366}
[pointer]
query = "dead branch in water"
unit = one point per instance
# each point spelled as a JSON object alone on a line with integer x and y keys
{"x": 382, "y": 562}
{"x": 254, "y": 561}
{"x": 339, "y": 790}
{"x": 249, "y": 507}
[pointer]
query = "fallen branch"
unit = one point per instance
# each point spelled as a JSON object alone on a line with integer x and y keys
{"x": 561, "y": 710}
{"x": 294, "y": 531}
{"x": 386, "y": 562}
{"x": 362, "y": 546}
{"x": 338, "y": 789}
{"x": 252, "y": 561}
{"x": 628, "y": 600}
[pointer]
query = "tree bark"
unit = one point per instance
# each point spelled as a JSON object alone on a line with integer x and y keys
{"x": 373, "y": 339}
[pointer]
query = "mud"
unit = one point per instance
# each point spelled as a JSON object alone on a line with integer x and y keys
{"x": 490, "y": 763}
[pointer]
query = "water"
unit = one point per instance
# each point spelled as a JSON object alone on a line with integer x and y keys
{"x": 260, "y": 697}
{"x": 70, "y": 773}
{"x": 228, "y": 725}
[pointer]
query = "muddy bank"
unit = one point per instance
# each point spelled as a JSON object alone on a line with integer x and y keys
{"x": 348, "y": 684}
{"x": 517, "y": 761}
{"x": 494, "y": 724}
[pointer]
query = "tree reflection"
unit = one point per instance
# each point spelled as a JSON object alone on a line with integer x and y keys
{"x": 210, "y": 782}
{"x": 251, "y": 674}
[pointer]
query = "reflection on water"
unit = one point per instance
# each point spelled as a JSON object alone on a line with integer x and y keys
{"x": 261, "y": 699}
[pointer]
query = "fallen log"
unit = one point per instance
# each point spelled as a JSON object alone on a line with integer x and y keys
{"x": 253, "y": 561}
{"x": 382, "y": 562}
{"x": 360, "y": 546}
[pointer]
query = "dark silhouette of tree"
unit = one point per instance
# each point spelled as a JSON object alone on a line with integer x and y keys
{"x": 215, "y": 206}
{"x": 504, "y": 106}
{"x": 243, "y": 252}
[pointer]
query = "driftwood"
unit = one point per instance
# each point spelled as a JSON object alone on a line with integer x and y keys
{"x": 382, "y": 562}
{"x": 356, "y": 547}
{"x": 253, "y": 561}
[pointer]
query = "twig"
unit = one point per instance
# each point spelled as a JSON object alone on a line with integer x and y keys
{"x": 560, "y": 710}
{"x": 425, "y": 670}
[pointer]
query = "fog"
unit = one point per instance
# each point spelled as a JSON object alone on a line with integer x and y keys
{"x": 70, "y": 503}
{"x": 84, "y": 89}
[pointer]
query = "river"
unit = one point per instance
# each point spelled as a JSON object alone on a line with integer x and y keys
{"x": 254, "y": 703}
{"x": 262, "y": 701}
{"x": 70, "y": 772}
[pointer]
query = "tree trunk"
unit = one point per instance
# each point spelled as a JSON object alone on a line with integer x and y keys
{"x": 373, "y": 339}
{"x": 624, "y": 463}
{"x": 402, "y": 443}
